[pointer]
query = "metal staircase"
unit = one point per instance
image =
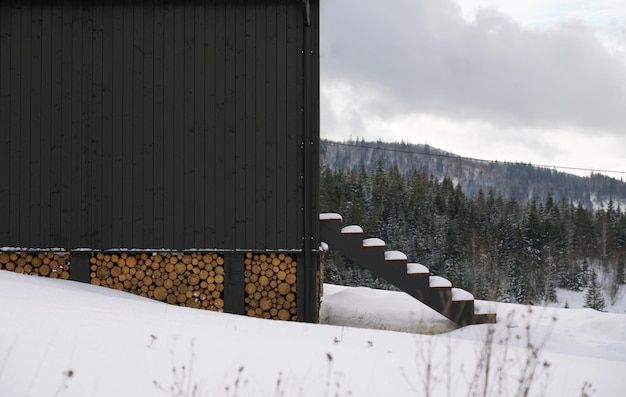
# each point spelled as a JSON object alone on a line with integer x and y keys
{"x": 393, "y": 266}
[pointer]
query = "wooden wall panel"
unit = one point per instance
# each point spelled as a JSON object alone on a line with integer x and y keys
{"x": 261, "y": 158}
{"x": 14, "y": 122}
{"x": 178, "y": 132}
{"x": 23, "y": 161}
{"x": 169, "y": 155}
{"x": 187, "y": 83}
{"x": 153, "y": 124}
{"x": 240, "y": 82}
{"x": 36, "y": 201}
{"x": 228, "y": 165}
{"x": 25, "y": 155}
{"x": 124, "y": 57}
{"x": 140, "y": 142}
{"x": 160, "y": 150}
{"x": 5, "y": 120}
{"x": 149, "y": 161}
{"x": 249, "y": 151}
{"x": 198, "y": 222}
{"x": 56, "y": 127}
{"x": 75, "y": 128}
{"x": 86, "y": 127}
{"x": 279, "y": 168}
{"x": 44, "y": 227}
{"x": 94, "y": 191}
{"x": 270, "y": 143}
{"x": 220, "y": 187}
{"x": 208, "y": 185}
{"x": 294, "y": 145}
{"x": 112, "y": 233}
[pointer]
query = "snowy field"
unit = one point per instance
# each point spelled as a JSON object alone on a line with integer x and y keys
{"x": 62, "y": 338}
{"x": 574, "y": 299}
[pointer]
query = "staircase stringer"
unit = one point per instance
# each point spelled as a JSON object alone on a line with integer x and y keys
{"x": 373, "y": 258}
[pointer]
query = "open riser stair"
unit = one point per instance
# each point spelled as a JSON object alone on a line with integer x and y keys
{"x": 394, "y": 267}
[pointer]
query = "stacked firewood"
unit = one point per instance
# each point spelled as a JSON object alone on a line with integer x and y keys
{"x": 270, "y": 286}
{"x": 47, "y": 264}
{"x": 186, "y": 279}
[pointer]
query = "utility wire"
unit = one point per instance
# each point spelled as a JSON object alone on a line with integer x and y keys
{"x": 454, "y": 156}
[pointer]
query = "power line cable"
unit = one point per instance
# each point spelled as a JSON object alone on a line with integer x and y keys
{"x": 454, "y": 156}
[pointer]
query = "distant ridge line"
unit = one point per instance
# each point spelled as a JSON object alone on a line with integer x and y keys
{"x": 522, "y": 181}
{"x": 442, "y": 153}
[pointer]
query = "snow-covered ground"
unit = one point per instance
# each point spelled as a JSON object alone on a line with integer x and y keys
{"x": 62, "y": 338}
{"x": 576, "y": 300}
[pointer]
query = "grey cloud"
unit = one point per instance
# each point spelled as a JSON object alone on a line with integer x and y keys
{"x": 422, "y": 56}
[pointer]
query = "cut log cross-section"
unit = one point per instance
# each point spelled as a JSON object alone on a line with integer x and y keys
{"x": 393, "y": 266}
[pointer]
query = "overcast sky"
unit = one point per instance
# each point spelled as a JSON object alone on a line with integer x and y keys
{"x": 540, "y": 81}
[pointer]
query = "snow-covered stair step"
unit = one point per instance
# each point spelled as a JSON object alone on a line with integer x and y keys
{"x": 331, "y": 216}
{"x": 374, "y": 242}
{"x": 418, "y": 276}
{"x": 485, "y": 312}
{"x": 330, "y": 228}
{"x": 395, "y": 256}
{"x": 439, "y": 282}
{"x": 395, "y": 265}
{"x": 416, "y": 269}
{"x": 461, "y": 309}
{"x": 459, "y": 295}
{"x": 352, "y": 229}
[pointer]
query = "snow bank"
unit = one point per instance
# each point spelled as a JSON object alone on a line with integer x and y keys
{"x": 61, "y": 337}
{"x": 377, "y": 309}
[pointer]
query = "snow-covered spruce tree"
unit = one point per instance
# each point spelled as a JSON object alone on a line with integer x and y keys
{"x": 594, "y": 299}
{"x": 620, "y": 278}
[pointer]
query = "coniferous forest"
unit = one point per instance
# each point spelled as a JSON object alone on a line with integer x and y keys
{"x": 493, "y": 246}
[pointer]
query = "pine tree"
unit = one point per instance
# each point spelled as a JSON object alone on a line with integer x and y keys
{"x": 550, "y": 294}
{"x": 594, "y": 299}
{"x": 329, "y": 200}
{"x": 619, "y": 273}
{"x": 489, "y": 244}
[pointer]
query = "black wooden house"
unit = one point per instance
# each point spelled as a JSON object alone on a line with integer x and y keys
{"x": 162, "y": 127}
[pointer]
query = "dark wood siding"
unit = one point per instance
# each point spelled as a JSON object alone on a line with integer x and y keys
{"x": 153, "y": 125}
{"x": 5, "y": 121}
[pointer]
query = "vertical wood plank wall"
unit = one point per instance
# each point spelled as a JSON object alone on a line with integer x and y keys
{"x": 154, "y": 124}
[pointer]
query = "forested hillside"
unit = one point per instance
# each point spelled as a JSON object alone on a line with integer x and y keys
{"x": 521, "y": 181}
{"x": 494, "y": 245}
